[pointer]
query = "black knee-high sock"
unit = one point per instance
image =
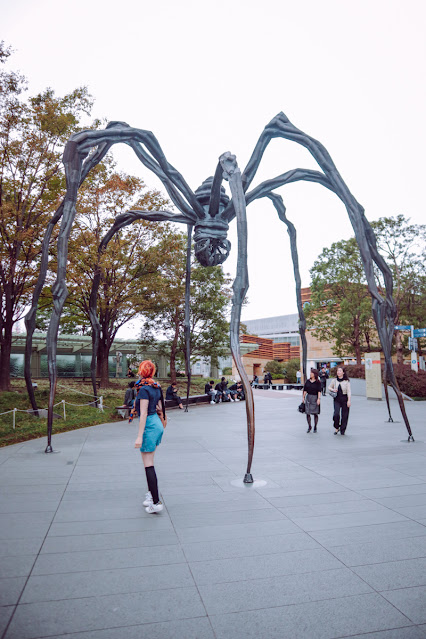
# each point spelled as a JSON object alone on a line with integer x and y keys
{"x": 151, "y": 479}
{"x": 308, "y": 417}
{"x": 315, "y": 420}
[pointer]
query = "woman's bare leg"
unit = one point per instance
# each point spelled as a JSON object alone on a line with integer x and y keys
{"x": 148, "y": 459}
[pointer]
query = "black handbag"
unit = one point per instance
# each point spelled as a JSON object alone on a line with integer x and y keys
{"x": 301, "y": 408}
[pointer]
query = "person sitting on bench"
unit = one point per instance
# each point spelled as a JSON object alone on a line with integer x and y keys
{"x": 234, "y": 391}
{"x": 219, "y": 393}
{"x": 240, "y": 391}
{"x": 130, "y": 396}
{"x": 210, "y": 391}
{"x": 171, "y": 393}
{"x": 227, "y": 396}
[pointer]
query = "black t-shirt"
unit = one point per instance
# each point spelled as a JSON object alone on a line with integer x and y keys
{"x": 207, "y": 389}
{"x": 153, "y": 395}
{"x": 312, "y": 388}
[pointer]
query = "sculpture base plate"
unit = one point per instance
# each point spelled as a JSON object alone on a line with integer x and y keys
{"x": 411, "y": 441}
{"x": 257, "y": 483}
{"x": 49, "y": 450}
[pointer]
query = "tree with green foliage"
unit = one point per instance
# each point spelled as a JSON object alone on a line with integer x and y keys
{"x": 291, "y": 367}
{"x": 275, "y": 368}
{"x": 403, "y": 245}
{"x": 33, "y": 133}
{"x": 210, "y": 300}
{"x": 340, "y": 308}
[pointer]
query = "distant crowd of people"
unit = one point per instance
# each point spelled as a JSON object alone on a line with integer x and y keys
{"x": 221, "y": 392}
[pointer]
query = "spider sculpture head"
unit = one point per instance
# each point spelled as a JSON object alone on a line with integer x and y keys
{"x": 211, "y": 244}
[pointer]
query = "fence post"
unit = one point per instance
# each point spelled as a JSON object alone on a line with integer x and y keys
{"x": 101, "y": 403}
{"x": 63, "y": 403}
{"x": 14, "y": 417}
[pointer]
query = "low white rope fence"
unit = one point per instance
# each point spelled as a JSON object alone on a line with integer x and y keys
{"x": 69, "y": 388}
{"x": 62, "y": 402}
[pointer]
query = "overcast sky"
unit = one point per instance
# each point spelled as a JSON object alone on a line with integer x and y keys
{"x": 206, "y": 77}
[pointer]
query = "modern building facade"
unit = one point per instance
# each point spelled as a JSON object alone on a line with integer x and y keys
{"x": 283, "y": 331}
{"x": 74, "y": 356}
{"x": 263, "y": 350}
{"x": 283, "y": 328}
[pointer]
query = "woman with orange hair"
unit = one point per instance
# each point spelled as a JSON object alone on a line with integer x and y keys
{"x": 150, "y": 404}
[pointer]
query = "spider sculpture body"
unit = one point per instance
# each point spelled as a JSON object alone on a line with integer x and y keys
{"x": 207, "y": 212}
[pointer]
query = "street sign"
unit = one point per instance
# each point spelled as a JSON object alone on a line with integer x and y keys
{"x": 419, "y": 332}
{"x": 412, "y": 344}
{"x": 402, "y": 328}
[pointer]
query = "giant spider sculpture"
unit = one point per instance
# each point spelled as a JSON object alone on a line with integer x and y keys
{"x": 208, "y": 211}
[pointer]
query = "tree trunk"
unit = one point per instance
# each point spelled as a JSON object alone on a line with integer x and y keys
{"x": 5, "y": 351}
{"x": 6, "y": 348}
{"x": 103, "y": 367}
{"x": 173, "y": 351}
{"x": 399, "y": 348}
{"x": 357, "y": 341}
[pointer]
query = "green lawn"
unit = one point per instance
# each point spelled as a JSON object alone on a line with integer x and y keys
{"x": 30, "y": 427}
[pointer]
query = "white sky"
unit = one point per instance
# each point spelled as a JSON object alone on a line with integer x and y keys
{"x": 206, "y": 77}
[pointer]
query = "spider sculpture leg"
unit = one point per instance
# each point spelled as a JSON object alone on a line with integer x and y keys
{"x": 232, "y": 173}
{"x": 291, "y": 229}
{"x": 187, "y": 325}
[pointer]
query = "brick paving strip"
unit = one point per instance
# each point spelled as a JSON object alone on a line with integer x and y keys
{"x": 333, "y": 546}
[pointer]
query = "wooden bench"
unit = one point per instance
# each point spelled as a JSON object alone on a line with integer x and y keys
{"x": 124, "y": 411}
{"x": 193, "y": 399}
{"x": 170, "y": 404}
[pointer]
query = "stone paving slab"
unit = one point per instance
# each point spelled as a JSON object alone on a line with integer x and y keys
{"x": 332, "y": 546}
{"x": 197, "y": 628}
{"x": 336, "y": 617}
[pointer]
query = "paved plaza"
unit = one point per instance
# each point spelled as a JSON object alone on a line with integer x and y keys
{"x": 333, "y": 545}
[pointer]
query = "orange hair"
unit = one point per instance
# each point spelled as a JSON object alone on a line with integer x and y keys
{"x": 147, "y": 370}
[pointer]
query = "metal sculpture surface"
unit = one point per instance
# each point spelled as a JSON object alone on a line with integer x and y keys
{"x": 209, "y": 212}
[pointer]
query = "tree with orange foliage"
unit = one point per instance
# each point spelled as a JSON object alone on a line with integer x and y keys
{"x": 32, "y": 136}
{"x": 129, "y": 266}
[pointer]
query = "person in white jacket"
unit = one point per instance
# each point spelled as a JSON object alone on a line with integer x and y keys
{"x": 342, "y": 401}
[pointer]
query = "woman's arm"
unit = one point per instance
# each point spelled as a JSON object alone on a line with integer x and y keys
{"x": 142, "y": 421}
{"x": 159, "y": 409}
{"x": 349, "y": 393}
{"x": 319, "y": 398}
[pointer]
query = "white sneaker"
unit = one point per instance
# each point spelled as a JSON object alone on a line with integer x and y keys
{"x": 211, "y": 402}
{"x": 154, "y": 508}
{"x": 148, "y": 499}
